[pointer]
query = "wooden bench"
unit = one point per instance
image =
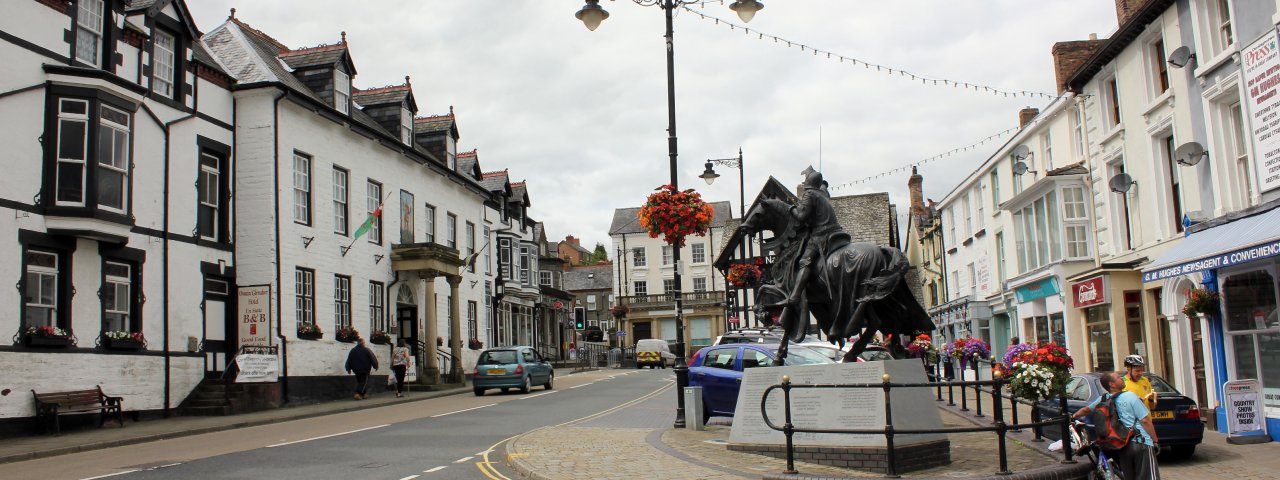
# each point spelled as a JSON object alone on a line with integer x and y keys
{"x": 55, "y": 404}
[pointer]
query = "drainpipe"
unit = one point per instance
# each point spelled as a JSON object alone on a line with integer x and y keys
{"x": 284, "y": 344}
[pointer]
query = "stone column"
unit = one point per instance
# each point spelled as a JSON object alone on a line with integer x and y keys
{"x": 431, "y": 365}
{"x": 455, "y": 329}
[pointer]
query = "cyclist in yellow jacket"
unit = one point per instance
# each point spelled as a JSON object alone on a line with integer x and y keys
{"x": 1134, "y": 382}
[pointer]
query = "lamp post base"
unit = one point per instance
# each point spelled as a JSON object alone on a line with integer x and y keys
{"x": 682, "y": 380}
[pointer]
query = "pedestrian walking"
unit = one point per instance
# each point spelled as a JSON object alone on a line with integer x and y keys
{"x": 400, "y": 365}
{"x": 360, "y": 361}
{"x": 1138, "y": 459}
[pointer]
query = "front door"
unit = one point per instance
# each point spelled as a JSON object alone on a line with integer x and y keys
{"x": 642, "y": 331}
{"x": 217, "y": 345}
{"x": 407, "y": 322}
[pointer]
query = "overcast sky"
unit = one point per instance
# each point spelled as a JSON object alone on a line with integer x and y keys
{"x": 582, "y": 115}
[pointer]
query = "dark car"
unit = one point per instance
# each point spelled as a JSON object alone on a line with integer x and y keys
{"x": 718, "y": 370}
{"x": 511, "y": 367}
{"x": 1177, "y": 419}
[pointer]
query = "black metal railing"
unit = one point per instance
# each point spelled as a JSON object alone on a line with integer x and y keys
{"x": 444, "y": 361}
{"x": 998, "y": 424}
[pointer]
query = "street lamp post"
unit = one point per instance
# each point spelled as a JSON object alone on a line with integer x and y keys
{"x": 591, "y": 15}
{"x": 710, "y": 175}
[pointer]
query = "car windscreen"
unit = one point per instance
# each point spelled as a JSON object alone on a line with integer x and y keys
{"x": 804, "y": 356}
{"x": 497, "y": 357}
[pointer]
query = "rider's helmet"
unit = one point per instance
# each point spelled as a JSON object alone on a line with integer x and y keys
{"x": 1134, "y": 361}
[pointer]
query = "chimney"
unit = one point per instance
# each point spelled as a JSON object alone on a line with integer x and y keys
{"x": 916, "y": 186}
{"x": 572, "y": 240}
{"x": 1068, "y": 57}
{"x": 1126, "y": 8}
{"x": 1026, "y": 115}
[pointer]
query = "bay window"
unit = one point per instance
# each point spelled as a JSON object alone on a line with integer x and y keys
{"x": 90, "y": 160}
{"x": 72, "y": 150}
{"x": 113, "y": 159}
{"x": 1075, "y": 223}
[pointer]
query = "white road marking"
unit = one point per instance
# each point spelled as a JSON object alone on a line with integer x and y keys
{"x": 410, "y": 477}
{"x": 325, "y": 436}
{"x": 111, "y": 474}
{"x": 436, "y": 469}
{"x": 481, "y": 454}
{"x": 538, "y": 395}
{"x": 580, "y": 386}
{"x": 464, "y": 410}
{"x": 463, "y": 460}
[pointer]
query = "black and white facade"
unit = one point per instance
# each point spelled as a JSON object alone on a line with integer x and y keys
{"x": 118, "y": 232}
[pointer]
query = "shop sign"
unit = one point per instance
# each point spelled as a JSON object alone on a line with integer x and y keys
{"x": 253, "y": 314}
{"x": 258, "y": 365}
{"x": 1262, "y": 102}
{"x": 1090, "y": 292}
{"x": 1244, "y": 255}
{"x": 1245, "y": 413}
{"x": 1046, "y": 287}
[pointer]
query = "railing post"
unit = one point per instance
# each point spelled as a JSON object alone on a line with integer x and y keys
{"x": 964, "y": 396}
{"x": 937, "y": 378}
{"x": 1066, "y": 425}
{"x": 888, "y": 430}
{"x": 951, "y": 394}
{"x": 1013, "y": 405}
{"x": 977, "y": 389}
{"x": 1035, "y": 419}
{"x": 1001, "y": 428}
{"x": 787, "y": 428}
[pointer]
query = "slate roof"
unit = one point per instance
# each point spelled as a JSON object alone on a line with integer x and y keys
{"x": 494, "y": 181}
{"x": 520, "y": 193}
{"x": 594, "y": 277}
{"x": 434, "y": 123}
{"x": 468, "y": 163}
{"x": 139, "y": 5}
{"x": 627, "y": 220}
{"x": 381, "y": 95}
{"x": 1073, "y": 169}
{"x": 314, "y": 56}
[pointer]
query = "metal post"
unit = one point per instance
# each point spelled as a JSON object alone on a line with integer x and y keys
{"x": 937, "y": 379}
{"x": 977, "y": 389}
{"x": 1035, "y": 419}
{"x": 951, "y": 394}
{"x": 681, "y": 370}
{"x": 1001, "y": 427}
{"x": 1066, "y": 425}
{"x": 964, "y": 396}
{"x": 1013, "y": 405}
{"x": 888, "y": 429}
{"x": 787, "y": 428}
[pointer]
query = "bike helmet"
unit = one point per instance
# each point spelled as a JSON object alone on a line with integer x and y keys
{"x": 1134, "y": 361}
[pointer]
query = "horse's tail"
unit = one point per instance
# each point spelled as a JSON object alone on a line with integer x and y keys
{"x": 883, "y": 284}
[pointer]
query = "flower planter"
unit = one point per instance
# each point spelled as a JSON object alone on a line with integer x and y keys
{"x": 380, "y": 341}
{"x": 346, "y": 339}
{"x": 56, "y": 341}
{"x": 310, "y": 335}
{"x": 122, "y": 344}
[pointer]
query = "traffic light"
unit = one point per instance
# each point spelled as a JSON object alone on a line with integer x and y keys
{"x": 579, "y": 318}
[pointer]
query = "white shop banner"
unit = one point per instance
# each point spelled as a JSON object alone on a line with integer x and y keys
{"x": 1262, "y": 101}
{"x": 1245, "y": 413}
{"x": 257, "y": 368}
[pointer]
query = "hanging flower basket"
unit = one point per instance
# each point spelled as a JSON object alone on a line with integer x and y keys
{"x": 675, "y": 215}
{"x": 1041, "y": 373}
{"x": 922, "y": 347}
{"x": 619, "y": 311}
{"x": 309, "y": 331}
{"x": 347, "y": 335}
{"x": 743, "y": 275}
{"x": 1201, "y": 300}
{"x": 380, "y": 337}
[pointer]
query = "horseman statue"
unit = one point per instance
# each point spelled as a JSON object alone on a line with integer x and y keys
{"x": 850, "y": 288}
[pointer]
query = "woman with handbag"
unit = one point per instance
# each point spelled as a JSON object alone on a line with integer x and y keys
{"x": 400, "y": 364}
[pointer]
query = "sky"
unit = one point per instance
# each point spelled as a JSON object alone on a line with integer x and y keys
{"x": 582, "y": 115}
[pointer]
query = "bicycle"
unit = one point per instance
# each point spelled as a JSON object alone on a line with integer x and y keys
{"x": 1104, "y": 466}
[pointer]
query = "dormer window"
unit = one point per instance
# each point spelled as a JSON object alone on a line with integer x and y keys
{"x": 89, "y": 32}
{"x": 341, "y": 91}
{"x": 162, "y": 69}
{"x": 406, "y": 126}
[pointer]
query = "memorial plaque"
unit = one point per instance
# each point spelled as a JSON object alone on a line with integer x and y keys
{"x": 836, "y": 408}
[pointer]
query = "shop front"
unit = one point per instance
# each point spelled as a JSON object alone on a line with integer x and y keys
{"x": 960, "y": 318}
{"x": 1239, "y": 259}
{"x": 1041, "y": 314}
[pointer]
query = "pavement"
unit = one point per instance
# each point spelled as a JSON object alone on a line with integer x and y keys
{"x": 636, "y": 439}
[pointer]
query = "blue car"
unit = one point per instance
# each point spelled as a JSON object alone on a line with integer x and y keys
{"x": 511, "y": 367}
{"x": 1177, "y": 418}
{"x": 718, "y": 370}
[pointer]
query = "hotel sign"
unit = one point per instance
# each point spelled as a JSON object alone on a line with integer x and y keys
{"x": 1090, "y": 292}
{"x": 1244, "y": 255}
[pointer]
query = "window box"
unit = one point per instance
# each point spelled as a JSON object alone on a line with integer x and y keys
{"x": 122, "y": 344}
{"x": 51, "y": 341}
{"x": 347, "y": 335}
{"x": 310, "y": 335}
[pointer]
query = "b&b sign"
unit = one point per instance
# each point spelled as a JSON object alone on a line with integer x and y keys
{"x": 253, "y": 305}
{"x": 1244, "y": 407}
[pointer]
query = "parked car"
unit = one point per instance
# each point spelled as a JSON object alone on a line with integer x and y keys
{"x": 718, "y": 370}
{"x": 652, "y": 352}
{"x": 836, "y": 354}
{"x": 750, "y": 335}
{"x": 1176, "y": 416}
{"x": 875, "y": 353}
{"x": 511, "y": 367}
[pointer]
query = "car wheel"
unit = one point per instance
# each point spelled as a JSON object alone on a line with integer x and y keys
{"x": 478, "y": 391}
{"x": 1182, "y": 451}
{"x": 551, "y": 378}
{"x": 525, "y": 388}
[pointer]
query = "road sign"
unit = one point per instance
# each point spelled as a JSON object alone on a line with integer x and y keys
{"x": 622, "y": 333}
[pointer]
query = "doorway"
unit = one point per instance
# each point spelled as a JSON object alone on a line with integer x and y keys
{"x": 219, "y": 343}
{"x": 407, "y": 318}
{"x": 642, "y": 330}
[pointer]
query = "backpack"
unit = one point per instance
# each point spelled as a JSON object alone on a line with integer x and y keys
{"x": 1109, "y": 434}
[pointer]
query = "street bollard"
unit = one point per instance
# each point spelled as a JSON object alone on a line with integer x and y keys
{"x": 693, "y": 408}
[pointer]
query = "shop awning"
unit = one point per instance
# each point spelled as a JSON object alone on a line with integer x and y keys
{"x": 1240, "y": 241}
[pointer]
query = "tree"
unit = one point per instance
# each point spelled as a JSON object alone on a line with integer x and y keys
{"x": 600, "y": 255}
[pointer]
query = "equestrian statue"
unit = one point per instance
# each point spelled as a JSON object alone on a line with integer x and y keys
{"x": 849, "y": 288}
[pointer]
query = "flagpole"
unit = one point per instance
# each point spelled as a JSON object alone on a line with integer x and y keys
{"x": 357, "y": 237}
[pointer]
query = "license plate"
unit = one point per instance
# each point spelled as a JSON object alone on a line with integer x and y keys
{"x": 1162, "y": 414}
{"x": 497, "y": 371}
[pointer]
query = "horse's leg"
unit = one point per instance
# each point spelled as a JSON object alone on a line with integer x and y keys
{"x": 864, "y": 336}
{"x": 782, "y": 351}
{"x": 859, "y": 346}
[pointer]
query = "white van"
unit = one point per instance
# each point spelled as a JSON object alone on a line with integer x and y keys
{"x": 653, "y": 352}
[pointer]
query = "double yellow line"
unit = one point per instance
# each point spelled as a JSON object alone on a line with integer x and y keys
{"x": 486, "y": 466}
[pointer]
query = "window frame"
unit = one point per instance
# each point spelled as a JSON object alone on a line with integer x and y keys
{"x": 669, "y": 286}
{"x": 407, "y": 219}
{"x": 488, "y": 250}
{"x": 698, "y": 253}
{"x": 504, "y": 258}
{"x": 119, "y": 132}
{"x": 302, "y": 187}
{"x": 1073, "y": 204}
{"x": 219, "y": 197}
{"x": 526, "y": 276}
{"x": 86, "y": 153}
{"x": 451, "y": 226}
{"x": 341, "y": 91}
{"x": 544, "y": 278}
{"x": 341, "y": 301}
{"x": 638, "y": 258}
{"x": 132, "y": 284}
{"x": 1111, "y": 102}
{"x": 406, "y": 126}
{"x": 640, "y": 287}
{"x": 304, "y": 295}
{"x": 1157, "y": 66}
{"x": 668, "y": 255}
{"x": 377, "y": 306}
{"x": 700, "y": 284}
{"x": 373, "y": 201}
{"x": 56, "y": 310}
{"x": 430, "y": 212}
{"x": 341, "y": 201}
{"x": 158, "y": 64}
{"x": 470, "y": 234}
{"x": 96, "y": 28}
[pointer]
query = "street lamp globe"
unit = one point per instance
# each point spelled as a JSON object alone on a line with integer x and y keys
{"x": 592, "y": 14}
{"x": 746, "y": 9}
{"x": 709, "y": 174}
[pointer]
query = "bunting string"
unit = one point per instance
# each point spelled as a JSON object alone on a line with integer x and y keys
{"x": 883, "y": 69}
{"x": 940, "y": 156}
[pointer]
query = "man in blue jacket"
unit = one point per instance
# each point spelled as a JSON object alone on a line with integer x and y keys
{"x": 360, "y": 361}
{"x": 1138, "y": 459}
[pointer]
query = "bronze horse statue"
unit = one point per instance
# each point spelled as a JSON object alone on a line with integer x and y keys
{"x": 855, "y": 289}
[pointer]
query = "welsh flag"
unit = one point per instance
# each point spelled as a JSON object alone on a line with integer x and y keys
{"x": 368, "y": 223}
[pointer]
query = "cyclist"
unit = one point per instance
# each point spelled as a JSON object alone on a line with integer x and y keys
{"x": 1134, "y": 366}
{"x": 1138, "y": 459}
